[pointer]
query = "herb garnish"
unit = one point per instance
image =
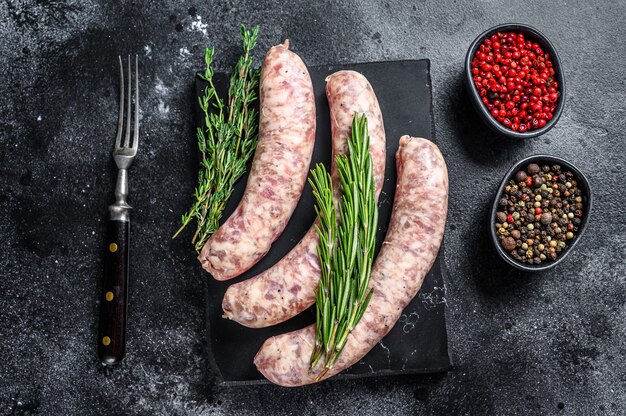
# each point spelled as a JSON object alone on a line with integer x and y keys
{"x": 226, "y": 141}
{"x": 345, "y": 249}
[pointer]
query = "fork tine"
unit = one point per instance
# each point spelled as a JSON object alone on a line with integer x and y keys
{"x": 120, "y": 119}
{"x": 128, "y": 111}
{"x": 136, "y": 132}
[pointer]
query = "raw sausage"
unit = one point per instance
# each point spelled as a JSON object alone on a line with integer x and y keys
{"x": 287, "y": 288}
{"x": 408, "y": 252}
{"x": 279, "y": 169}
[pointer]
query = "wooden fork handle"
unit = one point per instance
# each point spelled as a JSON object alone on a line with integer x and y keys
{"x": 112, "y": 328}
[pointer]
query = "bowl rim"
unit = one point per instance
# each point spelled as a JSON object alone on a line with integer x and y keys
{"x": 580, "y": 176}
{"x": 476, "y": 100}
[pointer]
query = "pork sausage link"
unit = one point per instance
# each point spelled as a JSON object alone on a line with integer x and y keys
{"x": 408, "y": 252}
{"x": 288, "y": 287}
{"x": 279, "y": 169}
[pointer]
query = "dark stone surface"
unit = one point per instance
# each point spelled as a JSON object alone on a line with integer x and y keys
{"x": 548, "y": 343}
{"x": 407, "y": 109}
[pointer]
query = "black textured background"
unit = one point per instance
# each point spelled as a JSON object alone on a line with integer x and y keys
{"x": 548, "y": 343}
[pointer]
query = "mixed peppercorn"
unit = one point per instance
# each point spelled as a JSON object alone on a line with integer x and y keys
{"x": 514, "y": 77}
{"x": 539, "y": 212}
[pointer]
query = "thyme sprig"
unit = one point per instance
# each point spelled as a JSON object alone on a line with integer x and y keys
{"x": 346, "y": 247}
{"x": 226, "y": 140}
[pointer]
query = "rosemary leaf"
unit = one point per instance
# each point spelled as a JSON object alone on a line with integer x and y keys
{"x": 346, "y": 247}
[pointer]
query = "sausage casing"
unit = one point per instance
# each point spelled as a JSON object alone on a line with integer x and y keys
{"x": 287, "y": 288}
{"x": 279, "y": 169}
{"x": 410, "y": 248}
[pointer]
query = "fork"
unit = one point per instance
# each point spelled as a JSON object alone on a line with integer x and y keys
{"x": 112, "y": 328}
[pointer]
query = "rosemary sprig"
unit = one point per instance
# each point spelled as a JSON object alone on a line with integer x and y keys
{"x": 345, "y": 249}
{"x": 226, "y": 141}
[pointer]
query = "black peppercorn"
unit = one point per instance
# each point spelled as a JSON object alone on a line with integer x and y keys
{"x": 546, "y": 218}
{"x": 509, "y": 244}
{"x": 543, "y": 215}
{"x": 533, "y": 169}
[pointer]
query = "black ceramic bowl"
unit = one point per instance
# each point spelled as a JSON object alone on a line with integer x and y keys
{"x": 583, "y": 183}
{"x": 531, "y": 34}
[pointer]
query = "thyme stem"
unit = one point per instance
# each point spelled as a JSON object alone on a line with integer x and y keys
{"x": 226, "y": 140}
